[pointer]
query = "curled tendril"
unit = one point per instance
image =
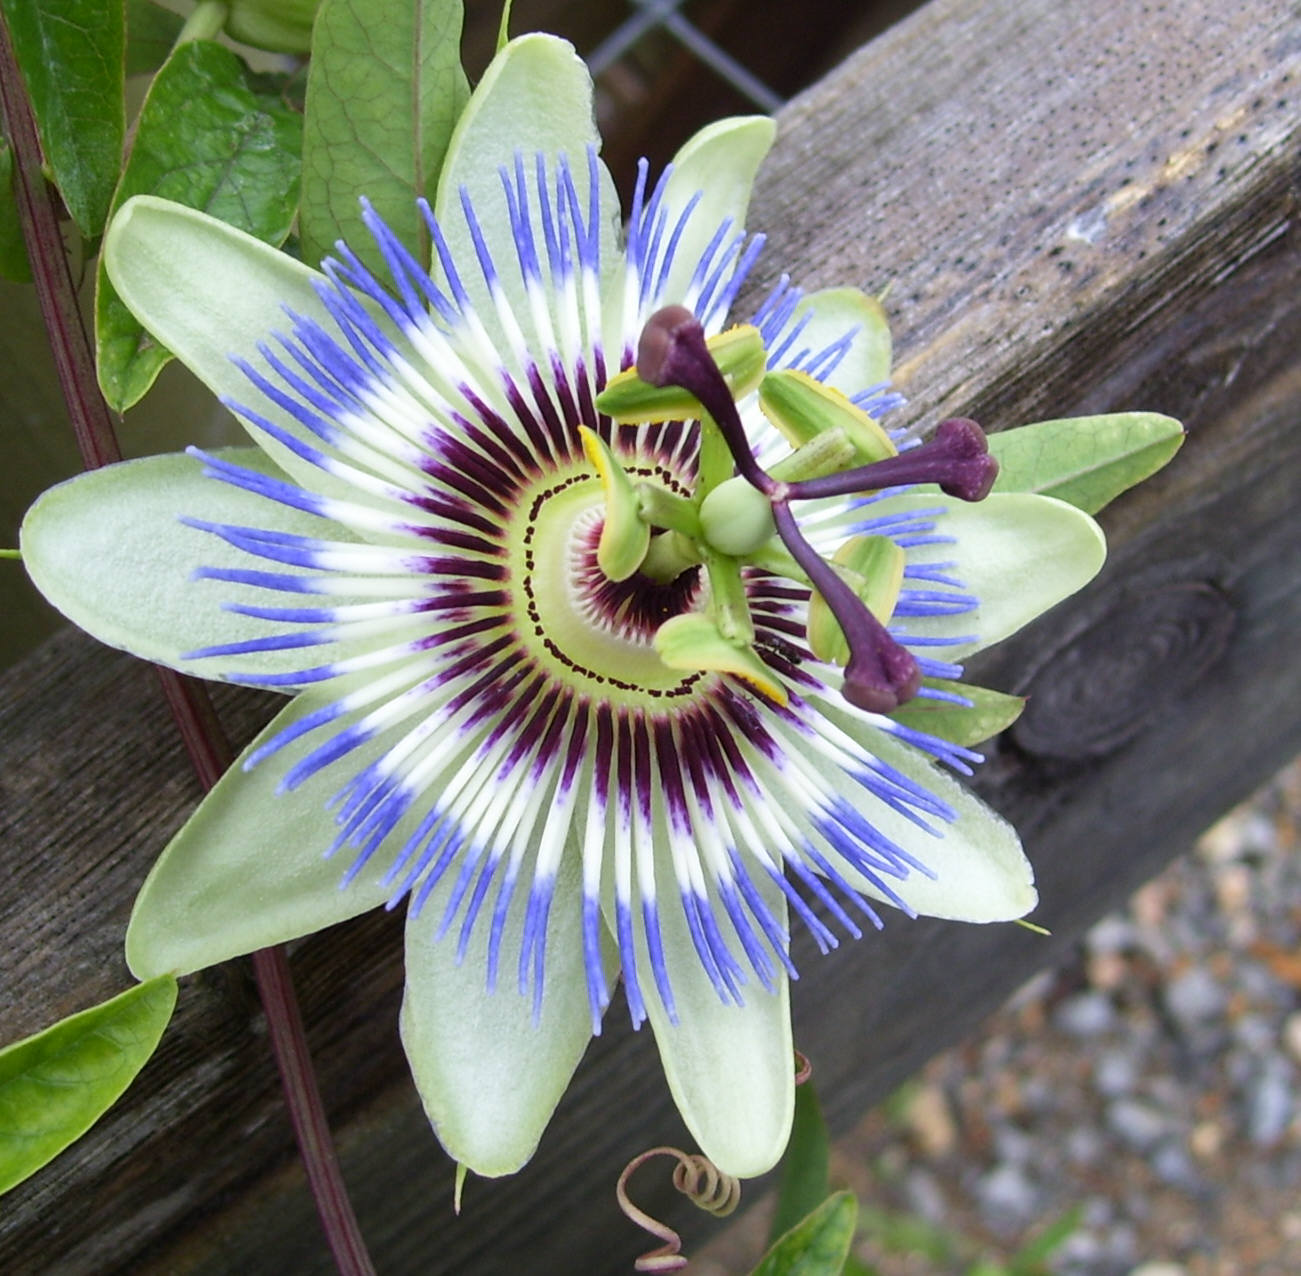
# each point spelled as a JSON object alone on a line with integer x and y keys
{"x": 803, "y": 1067}
{"x": 698, "y": 1179}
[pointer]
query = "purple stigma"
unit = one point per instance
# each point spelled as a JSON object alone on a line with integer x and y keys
{"x": 881, "y": 675}
{"x": 672, "y": 351}
{"x": 956, "y": 457}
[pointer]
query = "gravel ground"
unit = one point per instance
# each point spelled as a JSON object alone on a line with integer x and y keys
{"x": 1153, "y": 1085}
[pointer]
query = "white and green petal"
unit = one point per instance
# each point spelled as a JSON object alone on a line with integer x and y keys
{"x": 492, "y": 729}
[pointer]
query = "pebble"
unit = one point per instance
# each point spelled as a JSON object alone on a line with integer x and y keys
{"x": 1292, "y": 1035}
{"x": 1255, "y": 1033}
{"x": 931, "y": 1121}
{"x": 1269, "y": 1102}
{"x": 1008, "y": 1199}
{"x": 1195, "y": 997}
{"x": 1116, "y": 1073}
{"x": 925, "y": 1196}
{"x": 1084, "y": 1146}
{"x": 1172, "y": 1164}
{"x": 1114, "y": 934}
{"x": 1108, "y": 971}
{"x": 1159, "y": 1269}
{"x": 1013, "y": 1145}
{"x": 1136, "y": 1123}
{"x": 1086, "y": 1014}
{"x": 1080, "y": 1254}
{"x": 1207, "y": 1140}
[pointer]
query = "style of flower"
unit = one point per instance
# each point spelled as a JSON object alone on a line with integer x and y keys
{"x": 586, "y": 698}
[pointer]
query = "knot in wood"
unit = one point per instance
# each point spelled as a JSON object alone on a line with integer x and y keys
{"x": 1102, "y": 686}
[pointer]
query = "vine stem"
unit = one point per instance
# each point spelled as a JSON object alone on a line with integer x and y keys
{"x": 205, "y": 741}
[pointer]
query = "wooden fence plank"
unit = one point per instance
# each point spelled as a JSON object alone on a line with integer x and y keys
{"x": 1079, "y": 208}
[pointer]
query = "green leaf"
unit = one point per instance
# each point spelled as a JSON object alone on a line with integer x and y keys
{"x": 55, "y": 1085}
{"x": 855, "y": 1266}
{"x": 151, "y": 32}
{"x": 899, "y": 1232}
{"x": 213, "y": 136}
{"x": 989, "y": 713}
{"x": 72, "y": 53}
{"x": 13, "y": 251}
{"x": 1086, "y": 461}
{"x": 384, "y": 91}
{"x": 816, "y": 1246}
{"x": 804, "y": 1167}
{"x": 1032, "y": 1258}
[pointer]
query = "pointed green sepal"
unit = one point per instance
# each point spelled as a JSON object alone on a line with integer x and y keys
{"x": 802, "y": 408}
{"x": 503, "y": 31}
{"x": 56, "y": 1084}
{"x": 741, "y": 358}
{"x": 694, "y": 642}
{"x": 873, "y": 567}
{"x": 1085, "y": 461}
{"x": 989, "y": 712}
{"x": 625, "y": 537}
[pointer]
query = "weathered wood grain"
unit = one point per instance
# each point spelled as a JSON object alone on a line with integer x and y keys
{"x": 1079, "y": 208}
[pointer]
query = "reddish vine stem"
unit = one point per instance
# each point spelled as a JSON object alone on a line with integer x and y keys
{"x": 205, "y": 741}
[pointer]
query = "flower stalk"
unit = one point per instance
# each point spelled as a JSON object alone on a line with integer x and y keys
{"x": 205, "y": 741}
